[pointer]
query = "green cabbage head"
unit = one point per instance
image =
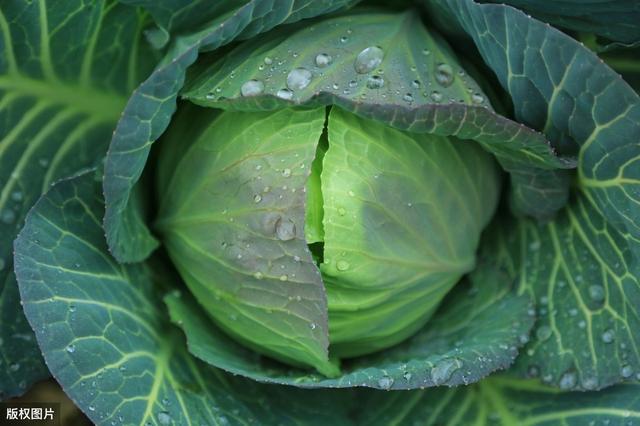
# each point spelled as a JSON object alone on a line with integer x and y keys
{"x": 312, "y": 238}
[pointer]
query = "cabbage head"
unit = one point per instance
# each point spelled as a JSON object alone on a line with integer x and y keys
{"x": 265, "y": 213}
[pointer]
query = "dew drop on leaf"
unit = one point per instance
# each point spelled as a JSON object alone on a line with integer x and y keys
{"x": 164, "y": 418}
{"x": 589, "y": 383}
{"x": 385, "y": 382}
{"x": 568, "y": 380}
{"x": 543, "y": 333}
{"x": 8, "y": 217}
{"x": 257, "y": 198}
{"x": 477, "y": 98}
{"x": 285, "y": 94}
{"x": 368, "y": 60}
{"x": 71, "y": 349}
{"x": 285, "y": 229}
{"x": 627, "y": 371}
{"x": 596, "y": 293}
{"x": 252, "y": 88}
{"x": 608, "y": 336}
{"x": 443, "y": 370}
{"x": 436, "y": 96}
{"x": 258, "y": 275}
{"x": 375, "y": 82}
{"x": 342, "y": 265}
{"x": 323, "y": 59}
{"x": 444, "y": 75}
{"x": 299, "y": 78}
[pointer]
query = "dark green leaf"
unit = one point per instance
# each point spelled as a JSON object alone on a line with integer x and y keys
{"x": 149, "y": 111}
{"x": 477, "y": 331}
{"x": 180, "y": 16}
{"x": 65, "y": 71}
{"x": 106, "y": 340}
{"x": 565, "y": 90}
{"x": 585, "y": 278}
{"x": 502, "y": 401}
{"x": 616, "y": 20}
{"x": 414, "y": 83}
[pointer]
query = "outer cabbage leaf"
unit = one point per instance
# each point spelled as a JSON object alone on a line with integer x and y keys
{"x": 66, "y": 69}
{"x": 105, "y": 336}
{"x": 392, "y": 250}
{"x": 616, "y": 20}
{"x": 477, "y": 331}
{"x": 149, "y": 111}
{"x": 582, "y": 104}
{"x": 502, "y": 401}
{"x": 404, "y": 76}
{"x": 232, "y": 220}
{"x": 585, "y": 277}
{"x": 180, "y": 16}
{"x": 560, "y": 87}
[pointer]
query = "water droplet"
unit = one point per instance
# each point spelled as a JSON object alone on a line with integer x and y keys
{"x": 407, "y": 376}
{"x": 444, "y": 75}
{"x": 443, "y": 370}
{"x": 589, "y": 383}
{"x": 268, "y": 60}
{"x": 568, "y": 380}
{"x": 375, "y": 82}
{"x": 342, "y": 265}
{"x": 258, "y": 275}
{"x": 436, "y": 96}
{"x": 8, "y": 216}
{"x": 283, "y": 278}
{"x": 368, "y": 59}
{"x": 16, "y": 196}
{"x": 627, "y": 371}
{"x": 408, "y": 97}
{"x": 296, "y": 258}
{"x": 257, "y": 198}
{"x": 252, "y": 88}
{"x": 285, "y": 94}
{"x": 582, "y": 324}
{"x": 335, "y": 86}
{"x": 299, "y": 78}
{"x": 92, "y": 408}
{"x": 286, "y": 172}
{"x": 44, "y": 162}
{"x": 596, "y": 293}
{"x": 164, "y": 418}
{"x": 285, "y": 229}
{"x": 477, "y": 98}
{"x": 608, "y": 336}
{"x": 543, "y": 333}
{"x": 385, "y": 382}
{"x": 351, "y": 193}
{"x": 323, "y": 59}
{"x": 14, "y": 367}
{"x": 416, "y": 84}
{"x": 426, "y": 52}
{"x": 71, "y": 348}
{"x": 344, "y": 39}
{"x": 341, "y": 211}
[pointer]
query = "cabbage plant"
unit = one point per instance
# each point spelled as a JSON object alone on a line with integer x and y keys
{"x": 322, "y": 212}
